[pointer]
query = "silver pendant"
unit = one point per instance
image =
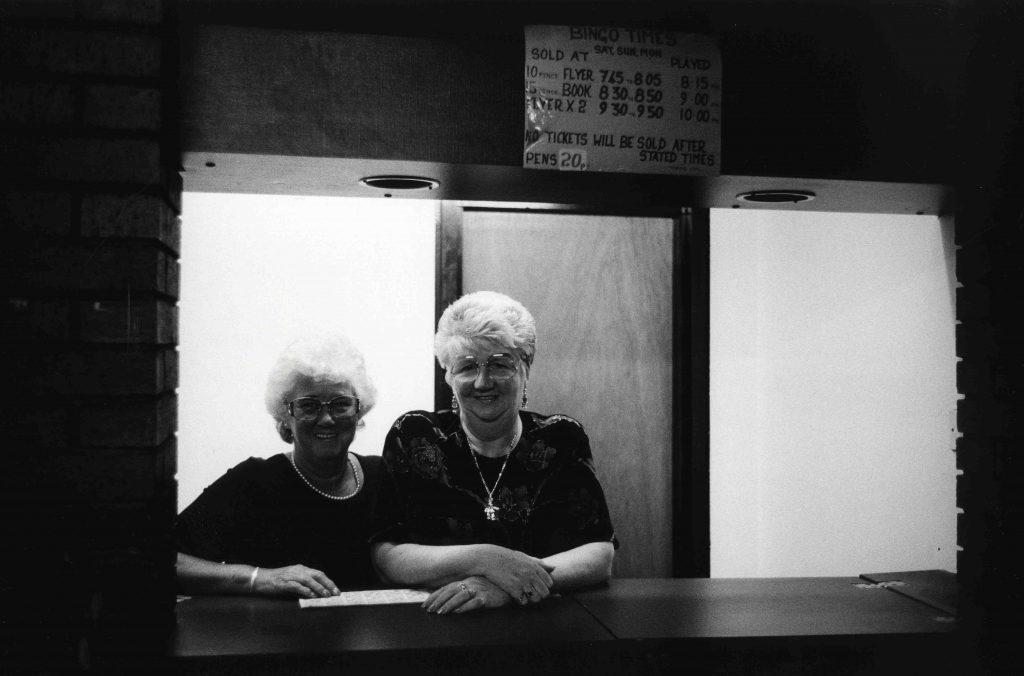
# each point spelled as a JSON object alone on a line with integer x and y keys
{"x": 491, "y": 512}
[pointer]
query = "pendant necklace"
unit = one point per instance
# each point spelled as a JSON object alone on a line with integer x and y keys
{"x": 491, "y": 510}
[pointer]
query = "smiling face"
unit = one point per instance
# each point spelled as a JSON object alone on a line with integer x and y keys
{"x": 323, "y": 441}
{"x": 488, "y": 407}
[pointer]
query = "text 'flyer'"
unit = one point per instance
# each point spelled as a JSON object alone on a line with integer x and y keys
{"x": 622, "y": 99}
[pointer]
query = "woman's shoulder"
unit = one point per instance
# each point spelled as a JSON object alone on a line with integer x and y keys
{"x": 438, "y": 424}
{"x": 553, "y": 424}
{"x": 254, "y": 465}
{"x": 257, "y": 470}
{"x": 372, "y": 465}
{"x": 558, "y": 432}
{"x": 251, "y": 477}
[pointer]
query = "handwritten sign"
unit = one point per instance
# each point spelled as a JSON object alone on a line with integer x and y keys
{"x": 622, "y": 99}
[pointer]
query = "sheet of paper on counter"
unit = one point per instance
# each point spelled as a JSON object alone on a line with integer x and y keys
{"x": 369, "y": 597}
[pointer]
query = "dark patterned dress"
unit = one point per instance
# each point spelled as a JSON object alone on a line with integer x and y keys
{"x": 261, "y": 513}
{"x": 549, "y": 499}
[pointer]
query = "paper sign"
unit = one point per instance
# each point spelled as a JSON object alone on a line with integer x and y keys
{"x": 622, "y": 99}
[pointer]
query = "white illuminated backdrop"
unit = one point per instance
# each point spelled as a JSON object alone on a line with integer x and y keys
{"x": 257, "y": 271}
{"x": 833, "y": 393}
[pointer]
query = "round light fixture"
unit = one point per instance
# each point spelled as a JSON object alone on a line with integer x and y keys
{"x": 776, "y": 196}
{"x": 399, "y": 182}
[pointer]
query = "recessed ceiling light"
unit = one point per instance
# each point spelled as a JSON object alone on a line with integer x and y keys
{"x": 399, "y": 182}
{"x": 776, "y": 196}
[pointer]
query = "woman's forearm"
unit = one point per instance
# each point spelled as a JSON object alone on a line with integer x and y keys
{"x": 581, "y": 566}
{"x": 199, "y": 576}
{"x": 426, "y": 565}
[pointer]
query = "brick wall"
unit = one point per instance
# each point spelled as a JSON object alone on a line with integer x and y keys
{"x": 89, "y": 211}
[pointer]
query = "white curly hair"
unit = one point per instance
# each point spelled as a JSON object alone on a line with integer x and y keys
{"x": 324, "y": 358}
{"x": 485, "y": 316}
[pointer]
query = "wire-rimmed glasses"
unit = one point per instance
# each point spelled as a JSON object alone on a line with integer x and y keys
{"x": 500, "y": 367}
{"x": 309, "y": 408}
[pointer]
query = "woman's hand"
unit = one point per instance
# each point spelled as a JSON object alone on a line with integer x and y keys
{"x": 466, "y": 595}
{"x": 521, "y": 576}
{"x": 295, "y": 580}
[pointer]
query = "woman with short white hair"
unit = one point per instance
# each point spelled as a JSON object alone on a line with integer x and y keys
{"x": 295, "y": 523}
{"x": 491, "y": 504}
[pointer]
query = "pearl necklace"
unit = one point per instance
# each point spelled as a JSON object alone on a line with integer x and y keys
{"x": 355, "y": 473}
{"x": 490, "y": 509}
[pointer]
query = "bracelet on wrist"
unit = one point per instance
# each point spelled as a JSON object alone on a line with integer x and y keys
{"x": 252, "y": 578}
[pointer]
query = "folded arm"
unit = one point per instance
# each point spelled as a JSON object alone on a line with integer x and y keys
{"x": 521, "y": 576}
{"x": 581, "y": 566}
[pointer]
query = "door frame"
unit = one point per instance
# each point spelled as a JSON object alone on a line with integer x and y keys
{"x": 691, "y": 517}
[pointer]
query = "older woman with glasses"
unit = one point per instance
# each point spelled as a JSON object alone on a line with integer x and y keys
{"x": 295, "y": 523}
{"x": 491, "y": 504}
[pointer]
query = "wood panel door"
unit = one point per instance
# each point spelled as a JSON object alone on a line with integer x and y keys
{"x": 601, "y": 290}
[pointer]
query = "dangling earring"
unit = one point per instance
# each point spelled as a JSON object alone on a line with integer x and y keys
{"x": 285, "y": 432}
{"x": 455, "y": 404}
{"x": 524, "y": 395}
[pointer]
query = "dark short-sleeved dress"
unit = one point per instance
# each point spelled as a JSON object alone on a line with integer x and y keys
{"x": 549, "y": 498}
{"x": 261, "y": 513}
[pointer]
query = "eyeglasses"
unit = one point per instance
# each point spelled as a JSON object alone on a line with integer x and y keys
{"x": 500, "y": 367}
{"x": 308, "y": 408}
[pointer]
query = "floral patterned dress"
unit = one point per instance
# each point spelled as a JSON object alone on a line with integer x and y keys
{"x": 549, "y": 499}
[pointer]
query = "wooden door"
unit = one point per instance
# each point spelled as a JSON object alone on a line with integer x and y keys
{"x": 600, "y": 288}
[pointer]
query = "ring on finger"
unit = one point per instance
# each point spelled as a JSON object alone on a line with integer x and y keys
{"x": 463, "y": 587}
